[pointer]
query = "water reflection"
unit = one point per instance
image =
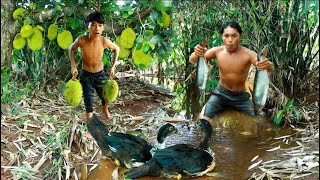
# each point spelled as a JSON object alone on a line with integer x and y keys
{"x": 236, "y": 139}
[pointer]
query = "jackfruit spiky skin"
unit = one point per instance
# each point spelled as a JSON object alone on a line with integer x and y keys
{"x": 124, "y": 53}
{"x": 18, "y": 13}
{"x": 35, "y": 41}
{"x": 73, "y": 92}
{"x": 19, "y": 42}
{"x": 65, "y": 39}
{"x": 165, "y": 19}
{"x": 52, "y": 32}
{"x": 26, "y": 31}
{"x": 140, "y": 58}
{"x": 110, "y": 90}
{"x": 127, "y": 38}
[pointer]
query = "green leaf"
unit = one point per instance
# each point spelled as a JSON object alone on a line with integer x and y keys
{"x": 167, "y": 32}
{"x": 141, "y": 66}
{"x": 296, "y": 113}
{"x": 32, "y": 6}
{"x": 106, "y": 62}
{"x": 139, "y": 39}
{"x": 126, "y": 178}
{"x": 288, "y": 105}
{"x": 112, "y": 7}
{"x": 40, "y": 28}
{"x": 278, "y": 118}
{"x": 125, "y": 15}
{"x": 138, "y": 46}
{"x": 130, "y": 11}
{"x": 163, "y": 5}
{"x": 145, "y": 47}
{"x": 148, "y": 33}
{"x": 28, "y": 20}
{"x": 58, "y": 7}
{"x": 155, "y": 39}
{"x": 152, "y": 46}
{"x": 154, "y": 16}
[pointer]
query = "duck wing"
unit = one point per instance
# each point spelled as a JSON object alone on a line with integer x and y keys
{"x": 184, "y": 158}
{"x": 128, "y": 144}
{"x": 133, "y": 138}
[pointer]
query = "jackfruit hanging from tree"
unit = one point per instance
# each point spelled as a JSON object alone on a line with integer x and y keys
{"x": 166, "y": 20}
{"x": 19, "y": 13}
{"x": 65, "y": 39}
{"x": 124, "y": 53}
{"x": 73, "y": 92}
{"x": 26, "y": 30}
{"x": 35, "y": 41}
{"x": 52, "y": 32}
{"x": 19, "y": 42}
{"x": 127, "y": 38}
{"x": 141, "y": 59}
{"x": 110, "y": 90}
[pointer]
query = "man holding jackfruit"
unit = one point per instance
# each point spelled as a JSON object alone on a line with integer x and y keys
{"x": 92, "y": 74}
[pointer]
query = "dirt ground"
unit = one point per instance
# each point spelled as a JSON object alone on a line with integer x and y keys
{"x": 19, "y": 132}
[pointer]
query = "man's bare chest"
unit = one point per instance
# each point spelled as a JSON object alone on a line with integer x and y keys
{"x": 233, "y": 65}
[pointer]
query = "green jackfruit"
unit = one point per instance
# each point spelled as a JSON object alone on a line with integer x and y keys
{"x": 73, "y": 92}
{"x": 165, "y": 19}
{"x": 52, "y": 32}
{"x": 124, "y": 53}
{"x": 127, "y": 38}
{"x": 65, "y": 39}
{"x": 35, "y": 41}
{"x": 26, "y": 31}
{"x": 18, "y": 13}
{"x": 110, "y": 90}
{"x": 19, "y": 42}
{"x": 140, "y": 58}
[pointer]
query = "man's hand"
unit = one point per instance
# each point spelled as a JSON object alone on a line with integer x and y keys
{"x": 199, "y": 50}
{"x": 111, "y": 72}
{"x": 264, "y": 64}
{"x": 74, "y": 72}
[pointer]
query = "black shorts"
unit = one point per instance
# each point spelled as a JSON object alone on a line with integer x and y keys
{"x": 90, "y": 82}
{"x": 223, "y": 99}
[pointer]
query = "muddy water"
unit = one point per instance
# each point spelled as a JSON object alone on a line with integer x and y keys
{"x": 236, "y": 139}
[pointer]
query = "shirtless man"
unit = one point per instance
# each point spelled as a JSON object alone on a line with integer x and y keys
{"x": 233, "y": 62}
{"x": 92, "y": 74}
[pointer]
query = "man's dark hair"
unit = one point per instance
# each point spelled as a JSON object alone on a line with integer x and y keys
{"x": 231, "y": 24}
{"x": 95, "y": 16}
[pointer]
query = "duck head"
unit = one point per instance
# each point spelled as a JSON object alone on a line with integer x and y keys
{"x": 97, "y": 128}
{"x": 165, "y": 131}
{"x": 207, "y": 132}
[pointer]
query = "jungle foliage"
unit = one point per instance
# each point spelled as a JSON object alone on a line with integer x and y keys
{"x": 289, "y": 27}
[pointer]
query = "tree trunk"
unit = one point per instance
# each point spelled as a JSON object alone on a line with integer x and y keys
{"x": 7, "y": 31}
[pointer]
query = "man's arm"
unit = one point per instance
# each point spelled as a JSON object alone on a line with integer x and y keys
{"x": 71, "y": 51}
{"x": 201, "y": 51}
{"x": 193, "y": 58}
{"x": 116, "y": 50}
{"x": 264, "y": 64}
